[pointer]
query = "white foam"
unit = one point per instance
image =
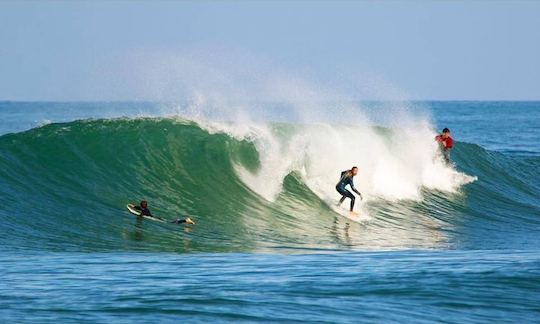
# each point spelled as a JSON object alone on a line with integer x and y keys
{"x": 327, "y": 139}
{"x": 392, "y": 166}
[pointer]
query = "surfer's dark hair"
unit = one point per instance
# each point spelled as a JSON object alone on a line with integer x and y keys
{"x": 354, "y": 167}
{"x": 446, "y": 130}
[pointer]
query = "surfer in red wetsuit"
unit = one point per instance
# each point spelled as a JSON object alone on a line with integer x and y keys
{"x": 446, "y": 143}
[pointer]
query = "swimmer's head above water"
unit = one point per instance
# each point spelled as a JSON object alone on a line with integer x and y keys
{"x": 144, "y": 203}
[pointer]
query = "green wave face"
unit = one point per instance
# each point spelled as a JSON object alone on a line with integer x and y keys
{"x": 65, "y": 187}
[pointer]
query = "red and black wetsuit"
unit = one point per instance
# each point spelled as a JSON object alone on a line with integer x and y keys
{"x": 446, "y": 144}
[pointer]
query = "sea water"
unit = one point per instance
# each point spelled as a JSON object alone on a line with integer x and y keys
{"x": 438, "y": 242}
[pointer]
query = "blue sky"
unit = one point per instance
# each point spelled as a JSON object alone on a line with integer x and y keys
{"x": 470, "y": 50}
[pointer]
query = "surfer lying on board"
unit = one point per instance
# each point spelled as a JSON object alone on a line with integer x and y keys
{"x": 143, "y": 208}
{"x": 347, "y": 179}
{"x": 446, "y": 143}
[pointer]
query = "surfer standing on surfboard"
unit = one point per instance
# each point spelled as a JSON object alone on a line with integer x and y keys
{"x": 446, "y": 143}
{"x": 347, "y": 179}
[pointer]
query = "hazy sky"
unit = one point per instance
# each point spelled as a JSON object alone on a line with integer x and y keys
{"x": 374, "y": 49}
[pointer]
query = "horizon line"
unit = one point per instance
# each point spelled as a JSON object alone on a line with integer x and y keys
{"x": 329, "y": 100}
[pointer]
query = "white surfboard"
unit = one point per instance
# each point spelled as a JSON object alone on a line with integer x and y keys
{"x": 353, "y": 216}
{"x": 135, "y": 212}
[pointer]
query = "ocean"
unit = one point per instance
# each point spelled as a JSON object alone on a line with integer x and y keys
{"x": 434, "y": 242}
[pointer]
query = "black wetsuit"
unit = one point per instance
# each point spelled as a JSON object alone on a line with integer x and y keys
{"x": 144, "y": 211}
{"x": 340, "y": 187}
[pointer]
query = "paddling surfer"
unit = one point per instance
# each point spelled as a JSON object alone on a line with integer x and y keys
{"x": 143, "y": 209}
